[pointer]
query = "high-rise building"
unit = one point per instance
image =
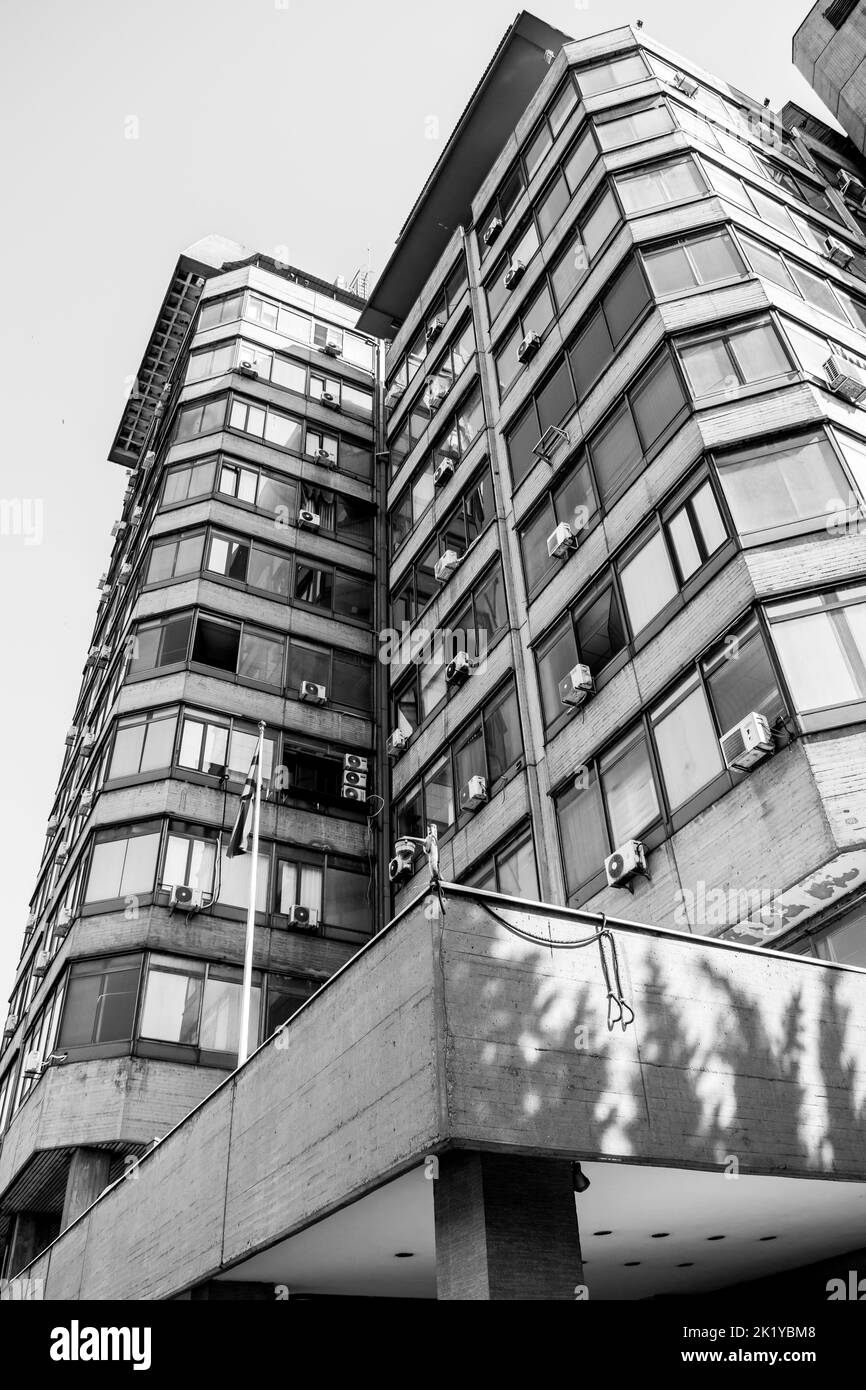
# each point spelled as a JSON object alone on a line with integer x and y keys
{"x": 568, "y": 566}
{"x": 830, "y": 51}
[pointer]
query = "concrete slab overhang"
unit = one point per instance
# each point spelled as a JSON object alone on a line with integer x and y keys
{"x": 508, "y": 84}
{"x": 453, "y": 1031}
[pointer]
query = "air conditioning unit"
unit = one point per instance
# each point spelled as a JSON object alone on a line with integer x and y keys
{"x": 88, "y": 740}
{"x": 31, "y": 921}
{"x": 248, "y": 369}
{"x": 353, "y": 762}
{"x": 41, "y": 964}
{"x": 103, "y": 582}
{"x": 10, "y": 1025}
{"x": 62, "y": 853}
{"x": 845, "y": 379}
{"x": 528, "y": 347}
{"x": 118, "y": 528}
{"x": 450, "y": 447}
{"x": 397, "y": 743}
{"x": 53, "y": 825}
{"x": 443, "y": 473}
{"x": 86, "y": 801}
{"x": 624, "y": 863}
{"x": 313, "y": 694}
{"x": 354, "y": 779}
{"x": 838, "y": 252}
{"x": 33, "y": 1065}
{"x": 458, "y": 670}
{"x": 577, "y": 686}
{"x": 434, "y": 328}
{"x": 98, "y": 656}
{"x": 561, "y": 541}
{"x": 350, "y": 793}
{"x": 301, "y": 916}
{"x": 137, "y": 514}
{"x": 71, "y": 735}
{"x": 851, "y": 187}
{"x": 149, "y": 459}
{"x": 446, "y": 565}
{"x": 685, "y": 84}
{"x": 400, "y": 867}
{"x": 124, "y": 572}
{"x": 328, "y": 398}
{"x": 474, "y": 794}
{"x": 309, "y": 521}
{"x": 63, "y": 923}
{"x": 322, "y": 456}
{"x": 128, "y": 496}
{"x": 395, "y": 392}
{"x": 747, "y": 743}
{"x": 514, "y": 274}
{"x": 185, "y": 898}
{"x": 332, "y": 349}
{"x": 494, "y": 227}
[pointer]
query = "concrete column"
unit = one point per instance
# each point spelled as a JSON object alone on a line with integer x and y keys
{"x": 26, "y": 1242}
{"x": 88, "y": 1176}
{"x": 506, "y": 1228}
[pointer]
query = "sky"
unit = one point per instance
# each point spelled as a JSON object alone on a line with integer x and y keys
{"x": 300, "y": 128}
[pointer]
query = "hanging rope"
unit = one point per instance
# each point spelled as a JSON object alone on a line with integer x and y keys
{"x": 618, "y": 1010}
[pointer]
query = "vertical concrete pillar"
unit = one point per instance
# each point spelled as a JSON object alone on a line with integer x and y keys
{"x": 26, "y": 1242}
{"x": 506, "y": 1228}
{"x": 88, "y": 1176}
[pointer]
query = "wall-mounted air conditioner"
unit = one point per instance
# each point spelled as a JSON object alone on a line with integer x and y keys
{"x": 313, "y": 694}
{"x": 474, "y": 794}
{"x": 577, "y": 686}
{"x": 747, "y": 743}
{"x": 561, "y": 541}
{"x": 185, "y": 898}
{"x": 845, "y": 379}
{"x": 458, "y": 670}
{"x": 621, "y": 866}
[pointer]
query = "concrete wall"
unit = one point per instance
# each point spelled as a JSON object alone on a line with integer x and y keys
{"x": 452, "y": 1031}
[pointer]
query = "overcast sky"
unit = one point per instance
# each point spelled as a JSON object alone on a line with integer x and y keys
{"x": 294, "y": 124}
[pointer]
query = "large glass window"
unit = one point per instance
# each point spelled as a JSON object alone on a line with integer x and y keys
{"x": 629, "y": 788}
{"x": 143, "y": 743}
{"x": 582, "y": 829}
{"x": 792, "y": 485}
{"x": 698, "y": 261}
{"x": 123, "y": 865}
{"x": 667, "y": 183}
{"x": 100, "y": 1002}
{"x": 618, "y": 72}
{"x": 720, "y": 365}
{"x": 648, "y": 582}
{"x": 821, "y": 642}
{"x": 686, "y": 741}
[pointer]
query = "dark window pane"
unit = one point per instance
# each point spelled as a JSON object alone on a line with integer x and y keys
{"x": 592, "y": 352}
{"x": 216, "y": 644}
{"x": 308, "y": 664}
{"x": 557, "y": 658}
{"x": 521, "y": 441}
{"x": 504, "y": 742}
{"x": 353, "y": 597}
{"x": 490, "y": 610}
{"x": 556, "y": 398}
{"x": 348, "y": 899}
{"x": 616, "y": 452}
{"x": 657, "y": 401}
{"x": 552, "y": 206}
{"x": 352, "y": 681}
{"x": 175, "y": 640}
{"x": 314, "y": 586}
{"x": 625, "y": 301}
{"x": 600, "y": 631}
{"x": 742, "y": 680}
{"x": 537, "y": 564}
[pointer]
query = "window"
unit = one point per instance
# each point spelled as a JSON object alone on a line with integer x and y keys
{"x": 698, "y": 261}
{"x": 821, "y": 642}
{"x": 162, "y": 643}
{"x": 615, "y": 451}
{"x": 239, "y": 482}
{"x": 502, "y": 735}
{"x": 216, "y": 311}
{"x": 593, "y": 634}
{"x": 234, "y": 880}
{"x": 197, "y": 1004}
{"x": 667, "y": 183}
{"x": 640, "y": 123}
{"x": 143, "y": 743}
{"x": 598, "y": 339}
{"x": 619, "y": 72}
{"x": 552, "y": 205}
{"x": 535, "y": 317}
{"x": 724, "y": 364}
{"x": 100, "y": 1002}
{"x": 510, "y": 870}
{"x": 686, "y": 741}
{"x": 571, "y": 501}
{"x": 629, "y": 788}
{"x": 583, "y": 837}
{"x": 656, "y": 400}
{"x": 189, "y": 860}
{"x": 188, "y": 481}
{"x": 739, "y": 678}
{"x": 122, "y": 863}
{"x": 695, "y": 532}
{"x": 216, "y": 644}
{"x": 590, "y": 235}
{"x": 201, "y": 418}
{"x": 648, "y": 581}
{"x": 785, "y": 488}
{"x": 228, "y": 557}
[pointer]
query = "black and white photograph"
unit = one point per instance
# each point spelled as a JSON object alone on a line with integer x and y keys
{"x": 433, "y": 569}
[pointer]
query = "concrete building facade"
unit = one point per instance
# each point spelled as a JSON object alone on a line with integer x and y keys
{"x": 830, "y": 51}
{"x": 565, "y": 528}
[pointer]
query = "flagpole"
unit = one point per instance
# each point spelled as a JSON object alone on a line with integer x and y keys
{"x": 246, "y": 996}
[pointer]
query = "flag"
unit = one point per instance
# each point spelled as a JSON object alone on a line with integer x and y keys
{"x": 240, "y": 832}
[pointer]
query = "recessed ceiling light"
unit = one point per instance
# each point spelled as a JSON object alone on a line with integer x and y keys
{"x": 659, "y": 1235}
{"x": 404, "y": 1255}
{"x": 715, "y": 1237}
{"x": 602, "y": 1233}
